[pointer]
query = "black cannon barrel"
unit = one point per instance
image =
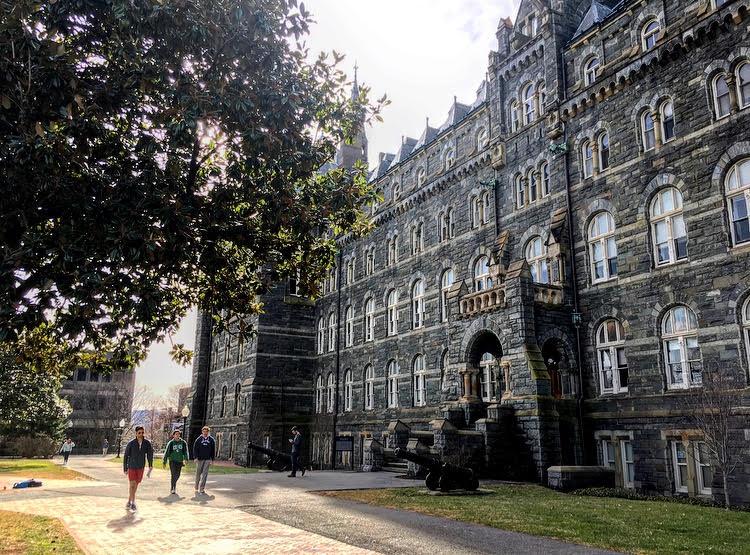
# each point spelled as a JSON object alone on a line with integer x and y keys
{"x": 423, "y": 460}
{"x": 273, "y": 453}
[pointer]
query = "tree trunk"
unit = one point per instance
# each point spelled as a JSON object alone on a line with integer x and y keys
{"x": 726, "y": 491}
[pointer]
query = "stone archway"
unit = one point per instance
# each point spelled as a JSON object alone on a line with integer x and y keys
{"x": 482, "y": 379}
{"x": 557, "y": 360}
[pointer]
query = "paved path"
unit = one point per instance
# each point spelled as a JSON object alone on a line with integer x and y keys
{"x": 255, "y": 513}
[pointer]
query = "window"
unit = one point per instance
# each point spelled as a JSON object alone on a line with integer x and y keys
{"x": 487, "y": 377}
{"x": 211, "y": 396}
{"x": 450, "y": 158}
{"x": 536, "y": 256}
{"x": 667, "y": 121}
{"x": 668, "y": 227}
{"x": 392, "y": 312}
{"x": 446, "y": 224}
{"x": 650, "y": 34}
{"x": 393, "y": 250}
{"x": 628, "y": 468}
{"x": 482, "y": 138}
{"x": 81, "y": 375}
{"x": 590, "y": 70}
{"x": 520, "y": 191}
{"x": 227, "y": 350}
{"x": 321, "y": 335}
{"x": 350, "y": 271}
{"x": 330, "y": 392}
{"x": 647, "y": 131}
{"x": 613, "y": 364}
{"x": 514, "y": 118}
{"x": 603, "y": 151}
{"x": 396, "y": 191}
{"x": 331, "y": 332}
{"x": 419, "y": 381}
{"x": 722, "y": 104}
{"x": 679, "y": 459}
{"x": 370, "y": 319}
{"x": 542, "y": 94}
{"x": 533, "y": 183}
{"x": 608, "y": 453}
{"x": 703, "y": 470}
{"x": 370, "y": 261}
{"x": 482, "y": 279}
{"x": 529, "y": 107}
{"x": 534, "y": 25}
{"x": 332, "y": 279}
{"x": 420, "y": 176}
{"x": 223, "y": 409}
{"x": 475, "y": 207}
{"x": 443, "y": 369}
{"x": 544, "y": 172}
{"x": 348, "y": 389}
{"x": 349, "y": 326}
{"x": 214, "y": 357}
{"x": 240, "y": 349}
{"x": 737, "y": 186}
{"x": 236, "y": 406}
{"x": 417, "y": 243}
{"x": 746, "y": 326}
{"x": 392, "y": 384}
{"x": 369, "y": 387}
{"x": 417, "y": 303}
{"x": 485, "y": 207}
{"x": 319, "y": 394}
{"x": 681, "y": 351}
{"x": 602, "y": 247}
{"x": 743, "y": 84}
{"x": 587, "y": 152}
{"x": 446, "y": 281}
{"x": 294, "y": 285}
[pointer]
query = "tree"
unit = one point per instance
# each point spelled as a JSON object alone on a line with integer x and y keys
{"x": 158, "y": 154}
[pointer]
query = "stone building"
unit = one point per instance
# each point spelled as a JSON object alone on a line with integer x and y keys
{"x": 552, "y": 271}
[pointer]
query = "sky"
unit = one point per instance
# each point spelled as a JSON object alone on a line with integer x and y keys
{"x": 421, "y": 53}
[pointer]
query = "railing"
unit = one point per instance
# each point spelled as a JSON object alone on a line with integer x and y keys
{"x": 483, "y": 301}
{"x": 548, "y": 294}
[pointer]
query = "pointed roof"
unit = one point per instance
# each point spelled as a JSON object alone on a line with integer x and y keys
{"x": 596, "y": 13}
{"x": 428, "y": 134}
{"x": 481, "y": 94}
{"x": 384, "y": 162}
{"x": 355, "y": 85}
{"x": 407, "y": 146}
{"x": 457, "y": 112}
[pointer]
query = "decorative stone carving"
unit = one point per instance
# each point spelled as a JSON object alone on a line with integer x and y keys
{"x": 497, "y": 155}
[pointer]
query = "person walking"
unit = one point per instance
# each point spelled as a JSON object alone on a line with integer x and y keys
{"x": 296, "y": 442}
{"x": 204, "y": 451}
{"x": 177, "y": 455}
{"x": 137, "y": 451}
{"x": 67, "y": 449}
{"x": 105, "y": 447}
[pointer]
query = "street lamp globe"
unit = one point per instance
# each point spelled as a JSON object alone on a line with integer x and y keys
{"x": 122, "y": 422}
{"x": 185, "y": 411}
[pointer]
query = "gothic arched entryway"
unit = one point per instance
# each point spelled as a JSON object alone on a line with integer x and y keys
{"x": 483, "y": 359}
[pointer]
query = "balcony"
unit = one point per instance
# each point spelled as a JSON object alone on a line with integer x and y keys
{"x": 483, "y": 301}
{"x": 548, "y": 294}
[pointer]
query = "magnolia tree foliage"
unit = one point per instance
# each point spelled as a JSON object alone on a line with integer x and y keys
{"x": 156, "y": 154}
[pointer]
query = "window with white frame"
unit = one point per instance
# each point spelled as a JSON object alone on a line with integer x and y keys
{"x": 370, "y": 261}
{"x": 485, "y": 207}
{"x": 541, "y": 91}
{"x": 602, "y": 247}
{"x": 450, "y": 158}
{"x": 348, "y": 390}
{"x": 737, "y": 187}
{"x": 446, "y": 281}
{"x": 514, "y": 115}
{"x": 475, "y": 207}
{"x": 350, "y": 271}
{"x": 533, "y": 25}
{"x": 482, "y": 279}
{"x": 370, "y": 319}
{"x": 487, "y": 377}
{"x": 321, "y": 335}
{"x": 666, "y": 111}
{"x": 590, "y": 69}
{"x": 628, "y": 467}
{"x": 369, "y": 387}
{"x": 420, "y": 176}
{"x": 331, "y": 332}
{"x": 319, "y": 392}
{"x": 650, "y": 34}
{"x": 587, "y": 154}
{"x": 680, "y": 465}
{"x": 418, "y": 371}
{"x": 330, "y": 392}
{"x": 293, "y": 282}
{"x": 349, "y": 326}
{"x": 533, "y": 186}
{"x": 613, "y": 364}
{"x": 536, "y": 256}
{"x": 529, "y": 105}
{"x": 392, "y": 312}
{"x": 544, "y": 173}
{"x": 483, "y": 138}
{"x": 240, "y": 349}
{"x": 520, "y": 191}
{"x": 446, "y": 225}
{"x": 743, "y": 84}
{"x": 392, "y": 384}
{"x": 682, "y": 354}
{"x": 746, "y": 327}
{"x": 648, "y": 135}
{"x": 417, "y": 303}
{"x": 704, "y": 472}
{"x": 603, "y": 151}
{"x": 717, "y": 3}
{"x": 668, "y": 227}
{"x": 608, "y": 453}
{"x": 722, "y": 105}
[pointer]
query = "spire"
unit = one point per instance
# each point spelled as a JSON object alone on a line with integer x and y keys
{"x": 355, "y": 85}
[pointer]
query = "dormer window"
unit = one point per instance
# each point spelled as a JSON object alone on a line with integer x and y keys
{"x": 534, "y": 25}
{"x": 482, "y": 138}
{"x": 450, "y": 158}
{"x": 396, "y": 191}
{"x": 650, "y": 34}
{"x": 420, "y": 176}
{"x": 590, "y": 70}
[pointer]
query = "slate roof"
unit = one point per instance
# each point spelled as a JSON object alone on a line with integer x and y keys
{"x": 596, "y": 13}
{"x": 384, "y": 162}
{"x": 406, "y": 148}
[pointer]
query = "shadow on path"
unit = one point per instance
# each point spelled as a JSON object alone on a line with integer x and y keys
{"x": 127, "y": 521}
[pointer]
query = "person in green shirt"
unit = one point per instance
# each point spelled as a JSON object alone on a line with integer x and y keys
{"x": 177, "y": 455}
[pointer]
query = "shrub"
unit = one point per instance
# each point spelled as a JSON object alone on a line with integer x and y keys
{"x": 34, "y": 446}
{"x": 623, "y": 493}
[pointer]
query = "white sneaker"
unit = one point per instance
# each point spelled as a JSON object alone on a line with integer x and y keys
{"x": 174, "y": 492}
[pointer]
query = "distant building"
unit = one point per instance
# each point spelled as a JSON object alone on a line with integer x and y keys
{"x": 182, "y": 398}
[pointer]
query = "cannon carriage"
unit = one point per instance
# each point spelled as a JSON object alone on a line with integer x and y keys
{"x": 441, "y": 475}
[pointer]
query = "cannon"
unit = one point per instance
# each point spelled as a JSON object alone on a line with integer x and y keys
{"x": 441, "y": 475}
{"x": 276, "y": 459}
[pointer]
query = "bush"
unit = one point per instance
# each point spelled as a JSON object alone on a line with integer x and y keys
{"x": 623, "y": 493}
{"x": 34, "y": 446}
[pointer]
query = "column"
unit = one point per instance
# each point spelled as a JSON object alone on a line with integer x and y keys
{"x": 656, "y": 116}
{"x": 734, "y": 105}
{"x": 505, "y": 365}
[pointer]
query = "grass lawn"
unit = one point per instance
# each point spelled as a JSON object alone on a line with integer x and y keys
{"x": 38, "y": 468}
{"x": 30, "y": 534}
{"x": 632, "y": 526}
{"x": 215, "y": 468}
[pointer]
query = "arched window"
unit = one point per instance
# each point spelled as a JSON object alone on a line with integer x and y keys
{"x": 417, "y": 303}
{"x": 223, "y": 407}
{"x": 396, "y": 191}
{"x": 393, "y": 250}
{"x": 648, "y": 135}
{"x": 668, "y": 227}
{"x": 319, "y": 390}
{"x": 650, "y": 34}
{"x": 541, "y": 92}
{"x": 722, "y": 104}
{"x": 392, "y": 384}
{"x": 529, "y": 108}
{"x": 602, "y": 247}
{"x": 370, "y": 261}
{"x": 331, "y": 391}
{"x": 603, "y": 151}
{"x": 520, "y": 191}
{"x": 392, "y": 312}
{"x": 482, "y": 138}
{"x": 590, "y": 69}
{"x": 417, "y": 238}
{"x": 446, "y": 281}
{"x": 666, "y": 111}
{"x": 420, "y": 176}
{"x": 544, "y": 173}
{"x": 587, "y": 153}
{"x": 746, "y": 327}
{"x": 331, "y": 332}
{"x": 485, "y": 208}
{"x": 442, "y": 227}
{"x": 475, "y": 207}
{"x": 514, "y": 115}
{"x": 451, "y": 220}
{"x": 682, "y": 354}
{"x": 211, "y": 396}
{"x": 348, "y": 389}
{"x": 370, "y": 319}
{"x": 321, "y": 335}
{"x": 536, "y": 256}
{"x": 236, "y": 406}
{"x": 350, "y": 271}
{"x": 240, "y": 349}
{"x": 419, "y": 381}
{"x": 349, "y": 326}
{"x": 227, "y": 350}
{"x": 487, "y": 377}
{"x": 443, "y": 368}
{"x": 737, "y": 186}
{"x": 743, "y": 84}
{"x": 450, "y": 158}
{"x": 482, "y": 279}
{"x": 613, "y": 365}
{"x": 533, "y": 182}
{"x": 369, "y": 387}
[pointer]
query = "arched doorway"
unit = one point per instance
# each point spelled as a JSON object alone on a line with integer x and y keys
{"x": 556, "y": 360}
{"x": 484, "y": 355}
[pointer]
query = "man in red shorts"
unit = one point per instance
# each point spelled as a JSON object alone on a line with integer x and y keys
{"x": 134, "y": 462}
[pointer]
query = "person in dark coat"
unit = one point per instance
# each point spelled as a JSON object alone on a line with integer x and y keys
{"x": 296, "y": 442}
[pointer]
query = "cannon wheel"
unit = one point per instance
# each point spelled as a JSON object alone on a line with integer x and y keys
{"x": 269, "y": 464}
{"x": 473, "y": 484}
{"x": 432, "y": 481}
{"x": 278, "y": 465}
{"x": 446, "y": 484}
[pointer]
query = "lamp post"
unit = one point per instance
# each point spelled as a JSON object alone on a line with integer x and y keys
{"x": 185, "y": 413}
{"x": 119, "y": 436}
